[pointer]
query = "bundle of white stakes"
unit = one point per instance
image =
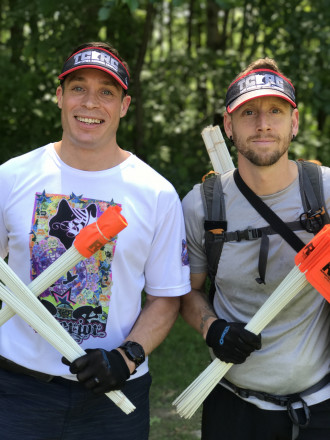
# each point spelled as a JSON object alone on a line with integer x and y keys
{"x": 217, "y": 149}
{"x": 22, "y": 300}
{"x": 189, "y": 401}
{"x": 52, "y": 273}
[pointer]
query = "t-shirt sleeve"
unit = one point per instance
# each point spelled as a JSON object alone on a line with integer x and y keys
{"x": 194, "y": 223}
{"x": 5, "y": 194}
{"x": 167, "y": 268}
{"x": 326, "y": 186}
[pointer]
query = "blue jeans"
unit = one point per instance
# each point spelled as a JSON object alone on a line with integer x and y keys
{"x": 64, "y": 410}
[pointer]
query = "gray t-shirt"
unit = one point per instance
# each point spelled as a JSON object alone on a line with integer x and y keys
{"x": 295, "y": 345}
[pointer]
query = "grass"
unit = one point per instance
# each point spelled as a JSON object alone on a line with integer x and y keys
{"x": 173, "y": 366}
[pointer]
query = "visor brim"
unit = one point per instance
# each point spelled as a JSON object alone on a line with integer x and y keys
{"x": 248, "y": 96}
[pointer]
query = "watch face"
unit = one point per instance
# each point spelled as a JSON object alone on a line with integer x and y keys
{"x": 134, "y": 352}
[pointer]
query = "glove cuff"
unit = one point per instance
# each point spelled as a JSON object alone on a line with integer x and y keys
{"x": 213, "y": 334}
{"x": 116, "y": 360}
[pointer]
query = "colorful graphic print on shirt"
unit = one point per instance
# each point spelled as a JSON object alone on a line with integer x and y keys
{"x": 80, "y": 299}
{"x": 184, "y": 253}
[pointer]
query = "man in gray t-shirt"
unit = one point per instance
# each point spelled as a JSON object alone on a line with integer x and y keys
{"x": 292, "y": 353}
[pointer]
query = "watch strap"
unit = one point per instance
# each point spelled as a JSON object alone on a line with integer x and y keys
{"x": 128, "y": 348}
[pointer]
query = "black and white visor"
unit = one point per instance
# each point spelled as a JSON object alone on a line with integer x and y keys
{"x": 97, "y": 58}
{"x": 258, "y": 83}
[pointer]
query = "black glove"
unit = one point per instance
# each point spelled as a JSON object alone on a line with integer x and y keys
{"x": 99, "y": 370}
{"x": 231, "y": 342}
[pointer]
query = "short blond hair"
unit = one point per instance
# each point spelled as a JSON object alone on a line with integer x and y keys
{"x": 261, "y": 63}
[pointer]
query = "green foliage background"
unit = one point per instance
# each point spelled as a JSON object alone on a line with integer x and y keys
{"x": 182, "y": 55}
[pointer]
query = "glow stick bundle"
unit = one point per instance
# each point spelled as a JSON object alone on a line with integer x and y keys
{"x": 217, "y": 150}
{"x": 312, "y": 265}
{"x": 23, "y": 301}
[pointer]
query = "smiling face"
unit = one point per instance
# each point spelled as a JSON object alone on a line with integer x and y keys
{"x": 262, "y": 130}
{"x": 92, "y": 104}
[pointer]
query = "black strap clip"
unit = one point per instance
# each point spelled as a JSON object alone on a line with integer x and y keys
{"x": 251, "y": 234}
{"x": 312, "y": 221}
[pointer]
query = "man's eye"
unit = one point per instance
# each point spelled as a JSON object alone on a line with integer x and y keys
{"x": 107, "y": 92}
{"x": 77, "y": 89}
{"x": 248, "y": 112}
{"x": 276, "y": 110}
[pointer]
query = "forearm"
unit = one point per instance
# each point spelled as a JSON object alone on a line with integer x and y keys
{"x": 197, "y": 311}
{"x": 154, "y": 323}
{"x": 151, "y": 328}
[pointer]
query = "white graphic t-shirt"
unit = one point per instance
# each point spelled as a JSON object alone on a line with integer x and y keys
{"x": 43, "y": 206}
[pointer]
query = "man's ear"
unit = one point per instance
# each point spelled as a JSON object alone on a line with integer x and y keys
{"x": 59, "y": 95}
{"x": 227, "y": 124}
{"x": 124, "y": 105}
{"x": 295, "y": 121}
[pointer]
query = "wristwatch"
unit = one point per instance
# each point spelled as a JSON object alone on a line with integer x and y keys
{"x": 134, "y": 352}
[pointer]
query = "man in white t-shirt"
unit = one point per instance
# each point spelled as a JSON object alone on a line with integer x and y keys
{"x": 48, "y": 196}
{"x": 280, "y": 382}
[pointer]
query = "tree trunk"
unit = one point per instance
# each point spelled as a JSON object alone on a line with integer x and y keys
{"x": 212, "y": 30}
{"x": 139, "y": 122}
{"x": 16, "y": 41}
{"x": 190, "y": 27}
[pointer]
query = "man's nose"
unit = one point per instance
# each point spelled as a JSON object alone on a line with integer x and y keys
{"x": 263, "y": 122}
{"x": 90, "y": 99}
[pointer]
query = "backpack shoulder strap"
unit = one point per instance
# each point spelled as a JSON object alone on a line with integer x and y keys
{"x": 215, "y": 224}
{"x": 213, "y": 200}
{"x": 315, "y": 214}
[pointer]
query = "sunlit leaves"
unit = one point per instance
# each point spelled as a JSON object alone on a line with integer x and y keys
{"x": 183, "y": 85}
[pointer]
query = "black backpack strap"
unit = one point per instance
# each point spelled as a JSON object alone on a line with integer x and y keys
{"x": 273, "y": 219}
{"x": 255, "y": 233}
{"x": 215, "y": 224}
{"x": 315, "y": 214}
{"x": 268, "y": 214}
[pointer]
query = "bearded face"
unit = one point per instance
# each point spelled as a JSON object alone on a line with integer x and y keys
{"x": 251, "y": 149}
{"x": 262, "y": 129}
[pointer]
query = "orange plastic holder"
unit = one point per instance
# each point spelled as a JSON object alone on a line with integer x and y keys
{"x": 308, "y": 250}
{"x": 91, "y": 238}
{"x": 314, "y": 261}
